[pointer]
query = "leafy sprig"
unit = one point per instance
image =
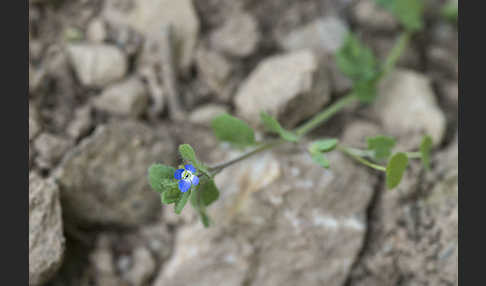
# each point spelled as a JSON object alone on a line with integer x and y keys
{"x": 355, "y": 61}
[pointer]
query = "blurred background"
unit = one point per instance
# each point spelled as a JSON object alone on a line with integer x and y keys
{"x": 116, "y": 85}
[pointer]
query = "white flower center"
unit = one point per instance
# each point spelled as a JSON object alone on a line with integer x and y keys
{"x": 187, "y": 175}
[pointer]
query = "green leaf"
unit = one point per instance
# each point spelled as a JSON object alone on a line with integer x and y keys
{"x": 381, "y": 146}
{"x": 208, "y": 192}
{"x": 320, "y": 159}
{"x": 272, "y": 125}
{"x": 159, "y": 176}
{"x": 188, "y": 154}
{"x": 171, "y": 195}
{"x": 408, "y": 12}
{"x": 199, "y": 203}
{"x": 357, "y": 62}
{"x": 324, "y": 145}
{"x": 450, "y": 10}
{"x": 181, "y": 202}
{"x": 395, "y": 169}
{"x": 233, "y": 130}
{"x": 206, "y": 221}
{"x": 425, "y": 147}
{"x": 365, "y": 89}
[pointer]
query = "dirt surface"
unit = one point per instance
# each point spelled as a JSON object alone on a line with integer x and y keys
{"x": 116, "y": 85}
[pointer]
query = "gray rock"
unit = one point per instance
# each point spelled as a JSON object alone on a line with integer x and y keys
{"x": 238, "y": 36}
{"x": 50, "y": 148}
{"x": 97, "y": 65}
{"x": 407, "y": 108}
{"x": 415, "y": 235}
{"x": 205, "y": 113}
{"x": 291, "y": 87}
{"x": 324, "y": 35}
{"x": 214, "y": 68}
{"x": 102, "y": 262}
{"x": 143, "y": 268}
{"x": 444, "y": 62}
{"x": 369, "y": 14}
{"x": 127, "y": 98}
{"x": 96, "y": 31}
{"x": 81, "y": 122}
{"x": 103, "y": 180}
{"x": 34, "y": 121}
{"x": 46, "y": 239}
{"x": 280, "y": 220}
{"x": 148, "y": 17}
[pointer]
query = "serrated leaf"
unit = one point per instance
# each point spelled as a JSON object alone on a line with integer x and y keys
{"x": 181, "y": 202}
{"x": 356, "y": 60}
{"x": 233, "y": 130}
{"x": 206, "y": 221}
{"x": 320, "y": 159}
{"x": 365, "y": 89}
{"x": 188, "y": 154}
{"x": 425, "y": 147}
{"x": 208, "y": 191}
{"x": 408, "y": 12}
{"x": 158, "y": 175}
{"x": 381, "y": 146}
{"x": 171, "y": 195}
{"x": 324, "y": 145}
{"x": 272, "y": 125}
{"x": 199, "y": 204}
{"x": 395, "y": 169}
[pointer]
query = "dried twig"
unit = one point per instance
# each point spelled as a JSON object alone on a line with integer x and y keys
{"x": 169, "y": 74}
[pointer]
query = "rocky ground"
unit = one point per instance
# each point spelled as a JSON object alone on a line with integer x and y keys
{"x": 109, "y": 95}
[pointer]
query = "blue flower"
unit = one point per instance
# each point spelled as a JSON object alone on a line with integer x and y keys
{"x": 187, "y": 177}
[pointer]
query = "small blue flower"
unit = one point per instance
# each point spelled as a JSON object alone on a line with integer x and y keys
{"x": 186, "y": 177}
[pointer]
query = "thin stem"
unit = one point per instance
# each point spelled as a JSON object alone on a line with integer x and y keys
{"x": 396, "y": 52}
{"x": 349, "y": 152}
{"x": 414, "y": 155}
{"x": 324, "y": 115}
{"x": 218, "y": 168}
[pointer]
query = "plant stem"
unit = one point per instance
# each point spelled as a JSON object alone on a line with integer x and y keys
{"x": 218, "y": 168}
{"x": 414, "y": 155}
{"x": 396, "y": 52}
{"x": 327, "y": 113}
{"x": 349, "y": 152}
{"x": 324, "y": 115}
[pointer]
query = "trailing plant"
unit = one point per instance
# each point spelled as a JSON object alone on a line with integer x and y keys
{"x": 194, "y": 180}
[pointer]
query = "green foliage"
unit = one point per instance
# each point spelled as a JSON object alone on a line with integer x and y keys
{"x": 272, "y": 125}
{"x": 324, "y": 145}
{"x": 425, "y": 147}
{"x": 161, "y": 177}
{"x": 181, "y": 202}
{"x": 199, "y": 203}
{"x": 319, "y": 147}
{"x": 208, "y": 192}
{"x": 408, "y": 12}
{"x": 450, "y": 10}
{"x": 381, "y": 146}
{"x": 395, "y": 169}
{"x": 357, "y": 62}
{"x": 188, "y": 154}
{"x": 171, "y": 195}
{"x": 233, "y": 130}
{"x": 320, "y": 159}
